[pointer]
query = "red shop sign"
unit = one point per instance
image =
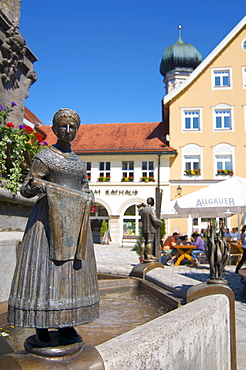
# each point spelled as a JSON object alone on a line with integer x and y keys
{"x": 94, "y": 209}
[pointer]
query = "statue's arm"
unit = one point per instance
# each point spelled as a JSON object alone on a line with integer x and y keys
{"x": 156, "y": 222}
{"x": 29, "y": 188}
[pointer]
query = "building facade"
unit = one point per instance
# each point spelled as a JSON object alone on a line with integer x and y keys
{"x": 125, "y": 164}
{"x": 205, "y": 119}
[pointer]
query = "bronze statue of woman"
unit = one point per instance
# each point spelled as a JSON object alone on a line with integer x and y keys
{"x": 55, "y": 280}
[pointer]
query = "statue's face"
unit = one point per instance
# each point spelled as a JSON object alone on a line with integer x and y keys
{"x": 66, "y": 129}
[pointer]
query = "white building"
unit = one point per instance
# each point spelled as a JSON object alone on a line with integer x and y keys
{"x": 125, "y": 163}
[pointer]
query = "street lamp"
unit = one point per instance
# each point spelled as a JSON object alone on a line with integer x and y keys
{"x": 179, "y": 191}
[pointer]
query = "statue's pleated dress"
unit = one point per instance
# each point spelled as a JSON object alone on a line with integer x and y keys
{"x": 47, "y": 293}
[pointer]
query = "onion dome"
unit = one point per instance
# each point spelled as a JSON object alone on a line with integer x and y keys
{"x": 180, "y": 56}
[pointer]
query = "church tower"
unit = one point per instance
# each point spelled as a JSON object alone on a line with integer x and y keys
{"x": 178, "y": 61}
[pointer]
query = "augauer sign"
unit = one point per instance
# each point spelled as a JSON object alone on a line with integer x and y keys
{"x": 217, "y": 202}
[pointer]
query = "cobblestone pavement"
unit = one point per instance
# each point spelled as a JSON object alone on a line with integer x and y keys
{"x": 125, "y": 255}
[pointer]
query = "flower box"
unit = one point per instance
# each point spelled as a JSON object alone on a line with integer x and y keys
{"x": 224, "y": 173}
{"x": 196, "y": 172}
{"x": 103, "y": 179}
{"x": 127, "y": 179}
{"x": 147, "y": 179}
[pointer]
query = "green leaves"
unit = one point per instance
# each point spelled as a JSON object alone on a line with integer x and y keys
{"x": 18, "y": 146}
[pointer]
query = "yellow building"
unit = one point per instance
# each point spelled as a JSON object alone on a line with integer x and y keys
{"x": 205, "y": 120}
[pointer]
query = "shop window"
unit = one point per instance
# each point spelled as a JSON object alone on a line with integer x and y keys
{"x": 131, "y": 221}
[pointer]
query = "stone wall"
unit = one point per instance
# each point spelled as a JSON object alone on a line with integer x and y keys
{"x": 195, "y": 336}
{"x": 14, "y": 211}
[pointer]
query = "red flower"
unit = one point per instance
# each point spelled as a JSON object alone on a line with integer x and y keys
{"x": 10, "y": 125}
{"x": 38, "y": 137}
{"x": 28, "y": 129}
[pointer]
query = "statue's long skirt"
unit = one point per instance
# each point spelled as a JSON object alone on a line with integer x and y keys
{"x": 51, "y": 294}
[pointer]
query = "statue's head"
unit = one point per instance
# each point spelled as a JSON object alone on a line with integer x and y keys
{"x": 150, "y": 201}
{"x": 66, "y": 124}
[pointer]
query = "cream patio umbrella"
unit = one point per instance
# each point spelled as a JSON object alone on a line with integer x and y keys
{"x": 222, "y": 199}
{"x": 168, "y": 211}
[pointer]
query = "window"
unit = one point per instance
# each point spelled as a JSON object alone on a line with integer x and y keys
{"x": 223, "y": 163}
{"x": 88, "y": 170}
{"x": 244, "y": 108}
{"x": 127, "y": 169}
{"x": 148, "y": 169}
{"x": 244, "y": 77}
{"x": 131, "y": 221}
{"x": 192, "y": 165}
{"x": 223, "y": 159}
{"x": 221, "y": 78}
{"x": 191, "y": 161}
{"x": 104, "y": 169}
{"x": 223, "y": 117}
{"x": 191, "y": 119}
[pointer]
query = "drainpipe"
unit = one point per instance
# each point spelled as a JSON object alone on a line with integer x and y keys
{"x": 158, "y": 198}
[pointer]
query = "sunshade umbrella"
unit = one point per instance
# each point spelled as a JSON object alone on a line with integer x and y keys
{"x": 219, "y": 200}
{"x": 168, "y": 211}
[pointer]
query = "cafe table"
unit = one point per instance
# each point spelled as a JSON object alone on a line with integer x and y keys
{"x": 185, "y": 252}
{"x": 236, "y": 252}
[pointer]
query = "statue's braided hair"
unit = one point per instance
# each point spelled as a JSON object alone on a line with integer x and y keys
{"x": 66, "y": 112}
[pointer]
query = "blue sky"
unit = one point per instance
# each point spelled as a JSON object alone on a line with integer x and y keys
{"x": 101, "y": 57}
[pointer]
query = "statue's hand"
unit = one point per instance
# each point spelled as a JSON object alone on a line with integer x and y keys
{"x": 34, "y": 188}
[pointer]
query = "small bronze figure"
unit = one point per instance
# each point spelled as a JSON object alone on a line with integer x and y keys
{"x": 55, "y": 280}
{"x": 217, "y": 251}
{"x": 149, "y": 225}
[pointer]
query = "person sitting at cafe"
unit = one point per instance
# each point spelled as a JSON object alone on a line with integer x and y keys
{"x": 200, "y": 247}
{"x": 235, "y": 233}
{"x": 169, "y": 245}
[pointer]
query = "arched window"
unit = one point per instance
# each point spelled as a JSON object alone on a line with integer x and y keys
{"x": 191, "y": 161}
{"x": 131, "y": 220}
{"x": 224, "y": 160}
{"x": 97, "y": 215}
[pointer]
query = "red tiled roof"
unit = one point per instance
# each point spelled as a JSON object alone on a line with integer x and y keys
{"x": 116, "y": 137}
{"x": 28, "y": 115}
